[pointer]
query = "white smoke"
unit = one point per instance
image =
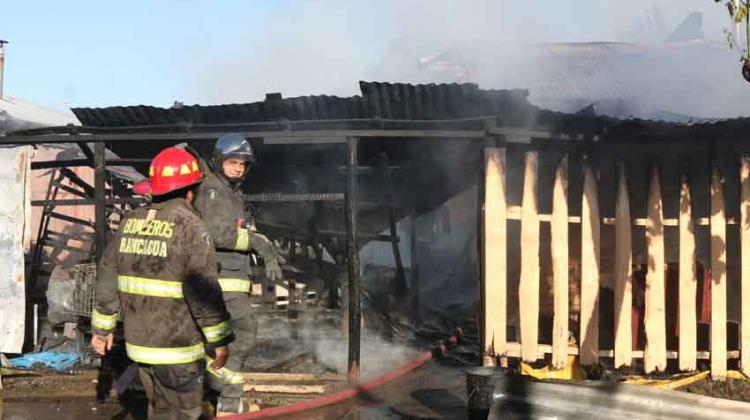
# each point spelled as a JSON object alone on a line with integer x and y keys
{"x": 326, "y": 46}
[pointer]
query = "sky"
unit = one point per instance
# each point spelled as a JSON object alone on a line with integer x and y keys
{"x": 96, "y": 53}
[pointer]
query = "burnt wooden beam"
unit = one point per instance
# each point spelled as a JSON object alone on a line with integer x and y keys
{"x": 87, "y": 152}
{"x": 414, "y": 267}
{"x": 352, "y": 196}
{"x": 70, "y": 190}
{"x": 87, "y": 202}
{"x": 71, "y": 219}
{"x": 296, "y": 233}
{"x": 100, "y": 211}
{"x": 74, "y": 163}
{"x": 391, "y": 200}
{"x": 75, "y": 179}
{"x": 276, "y": 137}
{"x": 287, "y": 125}
{"x": 294, "y": 197}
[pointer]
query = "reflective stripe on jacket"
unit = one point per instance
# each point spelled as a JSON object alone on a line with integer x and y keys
{"x": 159, "y": 273}
{"x": 221, "y": 205}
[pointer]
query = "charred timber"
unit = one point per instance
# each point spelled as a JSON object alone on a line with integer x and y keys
{"x": 296, "y": 233}
{"x": 305, "y": 197}
{"x": 285, "y": 125}
{"x": 100, "y": 210}
{"x": 352, "y": 196}
{"x": 74, "y": 163}
{"x": 88, "y": 202}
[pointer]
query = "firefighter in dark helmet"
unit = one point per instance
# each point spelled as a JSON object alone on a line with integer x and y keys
{"x": 221, "y": 205}
{"x": 159, "y": 275}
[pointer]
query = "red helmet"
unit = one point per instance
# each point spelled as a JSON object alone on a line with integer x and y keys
{"x": 173, "y": 169}
{"x": 142, "y": 188}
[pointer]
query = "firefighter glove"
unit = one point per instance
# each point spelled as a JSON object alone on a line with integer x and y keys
{"x": 271, "y": 257}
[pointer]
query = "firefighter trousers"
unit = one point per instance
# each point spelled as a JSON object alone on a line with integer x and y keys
{"x": 174, "y": 392}
{"x": 228, "y": 381}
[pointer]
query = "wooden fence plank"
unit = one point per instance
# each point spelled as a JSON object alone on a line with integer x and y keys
{"x": 688, "y": 280}
{"x": 514, "y": 350}
{"x": 514, "y": 213}
{"x": 623, "y": 274}
{"x": 590, "y": 263}
{"x": 528, "y": 289}
{"x": 655, "y": 314}
{"x": 745, "y": 265}
{"x": 559, "y": 239}
{"x": 718, "y": 279}
{"x": 494, "y": 281}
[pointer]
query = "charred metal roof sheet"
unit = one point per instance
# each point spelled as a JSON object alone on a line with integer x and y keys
{"x": 385, "y": 100}
{"x": 302, "y": 108}
{"x": 510, "y": 108}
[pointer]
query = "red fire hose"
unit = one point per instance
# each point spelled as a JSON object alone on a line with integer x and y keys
{"x": 352, "y": 392}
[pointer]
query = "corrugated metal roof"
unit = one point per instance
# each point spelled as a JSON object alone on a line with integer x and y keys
{"x": 385, "y": 100}
{"x": 301, "y": 108}
{"x": 418, "y": 102}
{"x": 18, "y": 114}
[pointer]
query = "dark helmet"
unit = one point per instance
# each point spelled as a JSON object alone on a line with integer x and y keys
{"x": 232, "y": 144}
{"x": 746, "y": 70}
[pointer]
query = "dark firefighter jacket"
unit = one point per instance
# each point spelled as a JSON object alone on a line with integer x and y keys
{"x": 221, "y": 207}
{"x": 159, "y": 274}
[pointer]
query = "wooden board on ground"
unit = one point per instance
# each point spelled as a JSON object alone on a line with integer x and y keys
{"x": 494, "y": 280}
{"x": 590, "y": 264}
{"x": 718, "y": 279}
{"x": 292, "y": 377}
{"x": 528, "y": 289}
{"x": 688, "y": 280}
{"x": 745, "y": 264}
{"x": 559, "y": 244}
{"x": 285, "y": 388}
{"x": 623, "y": 274}
{"x": 655, "y": 316}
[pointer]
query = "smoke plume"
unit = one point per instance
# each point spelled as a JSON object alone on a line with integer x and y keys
{"x": 325, "y": 47}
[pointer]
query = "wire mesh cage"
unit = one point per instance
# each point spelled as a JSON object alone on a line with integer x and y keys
{"x": 82, "y": 302}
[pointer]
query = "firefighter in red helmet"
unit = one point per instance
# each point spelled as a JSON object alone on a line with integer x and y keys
{"x": 159, "y": 276}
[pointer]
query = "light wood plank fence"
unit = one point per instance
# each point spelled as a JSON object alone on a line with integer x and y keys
{"x": 497, "y": 311}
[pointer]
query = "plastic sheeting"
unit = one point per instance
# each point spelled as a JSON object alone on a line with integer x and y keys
{"x": 15, "y": 207}
{"x": 46, "y": 360}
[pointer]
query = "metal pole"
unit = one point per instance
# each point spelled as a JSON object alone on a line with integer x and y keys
{"x": 352, "y": 197}
{"x": 100, "y": 198}
{"x": 2, "y": 65}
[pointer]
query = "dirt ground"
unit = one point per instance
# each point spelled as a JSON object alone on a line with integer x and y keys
{"x": 437, "y": 390}
{"x": 733, "y": 389}
{"x": 55, "y": 396}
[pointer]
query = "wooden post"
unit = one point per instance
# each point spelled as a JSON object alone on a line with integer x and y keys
{"x": 688, "y": 281}
{"x": 655, "y": 355}
{"x": 590, "y": 263}
{"x": 100, "y": 210}
{"x": 494, "y": 255}
{"x": 352, "y": 197}
{"x": 745, "y": 264}
{"x": 623, "y": 274}
{"x": 528, "y": 288}
{"x": 718, "y": 279}
{"x": 414, "y": 266}
{"x": 400, "y": 272}
{"x": 559, "y": 237}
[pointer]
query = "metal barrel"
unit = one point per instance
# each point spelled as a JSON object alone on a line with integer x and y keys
{"x": 480, "y": 385}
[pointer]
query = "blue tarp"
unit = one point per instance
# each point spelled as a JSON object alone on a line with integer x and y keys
{"x": 46, "y": 360}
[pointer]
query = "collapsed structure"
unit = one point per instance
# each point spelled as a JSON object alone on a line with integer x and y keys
{"x": 543, "y": 223}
